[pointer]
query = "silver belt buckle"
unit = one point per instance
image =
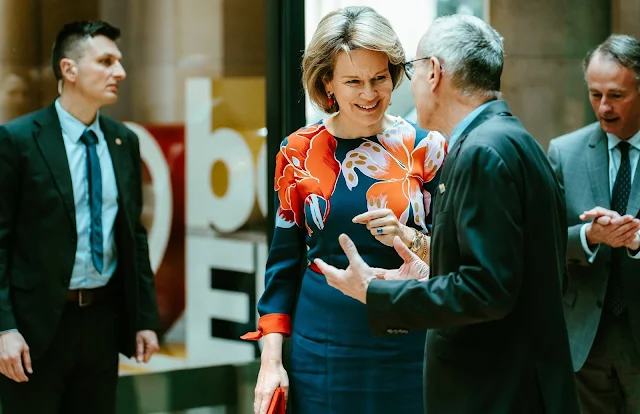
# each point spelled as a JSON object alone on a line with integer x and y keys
{"x": 81, "y": 299}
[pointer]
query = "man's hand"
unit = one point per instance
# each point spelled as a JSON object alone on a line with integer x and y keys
{"x": 610, "y": 228}
{"x": 14, "y": 356}
{"x": 634, "y": 245}
{"x": 597, "y": 212}
{"x": 146, "y": 345}
{"x": 355, "y": 279}
{"x": 412, "y": 268}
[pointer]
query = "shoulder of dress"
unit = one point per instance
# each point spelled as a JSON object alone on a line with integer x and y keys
{"x": 308, "y": 131}
{"x": 302, "y": 137}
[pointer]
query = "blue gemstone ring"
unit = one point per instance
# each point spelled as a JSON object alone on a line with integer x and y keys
{"x": 379, "y": 230}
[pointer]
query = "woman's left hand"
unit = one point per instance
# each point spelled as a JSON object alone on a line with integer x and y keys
{"x": 384, "y": 226}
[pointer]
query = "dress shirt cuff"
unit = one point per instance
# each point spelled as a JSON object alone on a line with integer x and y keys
{"x": 272, "y": 323}
{"x": 591, "y": 255}
{"x": 8, "y": 330}
{"x": 634, "y": 254}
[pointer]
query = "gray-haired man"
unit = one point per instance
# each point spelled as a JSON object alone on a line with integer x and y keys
{"x": 497, "y": 341}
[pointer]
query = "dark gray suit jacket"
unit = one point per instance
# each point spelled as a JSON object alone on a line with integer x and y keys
{"x": 497, "y": 341}
{"x": 581, "y": 162}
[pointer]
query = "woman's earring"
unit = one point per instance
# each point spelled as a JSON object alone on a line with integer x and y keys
{"x": 330, "y": 100}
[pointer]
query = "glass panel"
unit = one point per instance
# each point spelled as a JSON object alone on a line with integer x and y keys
{"x": 472, "y": 7}
{"x": 195, "y": 96}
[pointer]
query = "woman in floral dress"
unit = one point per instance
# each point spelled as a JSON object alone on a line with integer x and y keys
{"x": 327, "y": 175}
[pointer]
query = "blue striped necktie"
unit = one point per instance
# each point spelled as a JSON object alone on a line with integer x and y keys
{"x": 94, "y": 177}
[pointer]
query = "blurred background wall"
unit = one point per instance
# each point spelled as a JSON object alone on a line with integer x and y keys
{"x": 166, "y": 41}
{"x": 205, "y": 80}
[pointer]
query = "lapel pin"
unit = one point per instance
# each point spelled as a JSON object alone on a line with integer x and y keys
{"x": 118, "y": 141}
{"x": 441, "y": 188}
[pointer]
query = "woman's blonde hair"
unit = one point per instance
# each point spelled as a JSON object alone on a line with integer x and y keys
{"x": 344, "y": 30}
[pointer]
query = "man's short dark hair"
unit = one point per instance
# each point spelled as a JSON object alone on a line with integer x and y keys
{"x": 72, "y": 34}
{"x": 622, "y": 49}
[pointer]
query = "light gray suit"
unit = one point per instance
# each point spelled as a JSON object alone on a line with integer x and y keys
{"x": 581, "y": 162}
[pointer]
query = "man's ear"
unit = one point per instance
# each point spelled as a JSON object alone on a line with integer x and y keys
{"x": 435, "y": 72}
{"x": 69, "y": 69}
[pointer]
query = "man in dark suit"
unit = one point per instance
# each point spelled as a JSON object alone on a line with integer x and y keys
{"x": 76, "y": 286}
{"x": 596, "y": 165}
{"x": 497, "y": 341}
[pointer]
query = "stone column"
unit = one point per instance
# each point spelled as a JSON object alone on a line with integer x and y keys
{"x": 18, "y": 58}
{"x": 200, "y": 48}
{"x": 152, "y": 36}
{"x": 625, "y": 17}
{"x": 48, "y": 18}
{"x": 545, "y": 42}
{"x": 163, "y": 43}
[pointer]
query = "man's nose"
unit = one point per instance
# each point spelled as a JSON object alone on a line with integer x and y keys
{"x": 119, "y": 72}
{"x": 604, "y": 106}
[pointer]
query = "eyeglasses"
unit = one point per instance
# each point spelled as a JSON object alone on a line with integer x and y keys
{"x": 409, "y": 67}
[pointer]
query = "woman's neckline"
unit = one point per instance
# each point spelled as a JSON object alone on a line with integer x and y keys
{"x": 396, "y": 120}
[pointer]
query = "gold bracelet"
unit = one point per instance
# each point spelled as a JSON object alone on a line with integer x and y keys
{"x": 424, "y": 247}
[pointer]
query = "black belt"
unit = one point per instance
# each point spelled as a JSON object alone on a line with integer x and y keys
{"x": 86, "y": 297}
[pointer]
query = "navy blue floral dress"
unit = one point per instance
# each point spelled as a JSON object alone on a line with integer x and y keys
{"x": 322, "y": 182}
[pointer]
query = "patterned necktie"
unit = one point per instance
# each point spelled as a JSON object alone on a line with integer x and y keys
{"x": 614, "y": 301}
{"x": 94, "y": 177}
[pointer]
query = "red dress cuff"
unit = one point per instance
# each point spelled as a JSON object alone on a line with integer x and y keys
{"x": 272, "y": 323}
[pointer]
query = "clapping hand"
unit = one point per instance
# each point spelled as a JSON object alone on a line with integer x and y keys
{"x": 609, "y": 227}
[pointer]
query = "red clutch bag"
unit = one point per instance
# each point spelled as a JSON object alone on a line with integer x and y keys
{"x": 277, "y": 405}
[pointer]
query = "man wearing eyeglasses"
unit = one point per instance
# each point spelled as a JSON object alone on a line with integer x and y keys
{"x": 497, "y": 340}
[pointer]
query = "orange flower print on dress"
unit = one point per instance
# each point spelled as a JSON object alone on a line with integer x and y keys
{"x": 402, "y": 168}
{"x": 306, "y": 173}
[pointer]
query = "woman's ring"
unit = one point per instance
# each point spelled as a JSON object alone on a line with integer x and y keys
{"x": 379, "y": 230}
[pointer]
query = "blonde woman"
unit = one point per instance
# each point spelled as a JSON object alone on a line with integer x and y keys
{"x": 364, "y": 173}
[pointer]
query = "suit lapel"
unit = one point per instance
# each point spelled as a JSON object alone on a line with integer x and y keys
{"x": 48, "y": 136}
{"x": 633, "y": 206}
{"x": 598, "y": 168}
{"x": 117, "y": 151}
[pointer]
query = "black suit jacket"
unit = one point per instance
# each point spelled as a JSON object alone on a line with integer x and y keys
{"x": 38, "y": 230}
{"x": 497, "y": 341}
